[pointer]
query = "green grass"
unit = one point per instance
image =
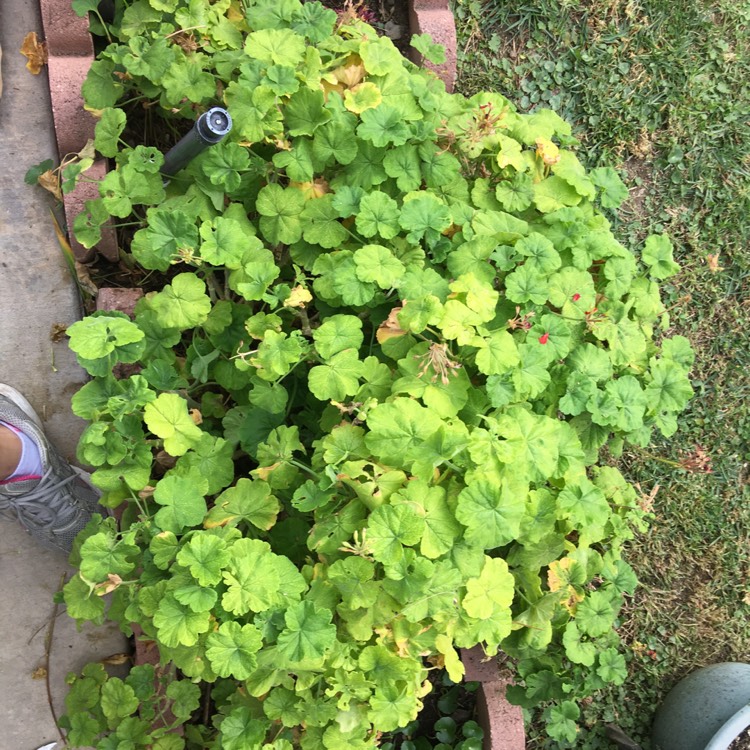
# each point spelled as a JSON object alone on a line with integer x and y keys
{"x": 660, "y": 89}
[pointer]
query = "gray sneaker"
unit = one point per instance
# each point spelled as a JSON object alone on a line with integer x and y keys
{"x": 56, "y": 507}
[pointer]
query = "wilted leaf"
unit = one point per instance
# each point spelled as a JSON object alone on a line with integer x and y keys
{"x": 35, "y": 51}
{"x": 50, "y": 180}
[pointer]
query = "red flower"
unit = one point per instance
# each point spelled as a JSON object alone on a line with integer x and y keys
{"x": 544, "y": 338}
{"x": 576, "y": 297}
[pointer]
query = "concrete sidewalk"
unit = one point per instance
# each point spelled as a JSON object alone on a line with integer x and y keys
{"x": 37, "y": 294}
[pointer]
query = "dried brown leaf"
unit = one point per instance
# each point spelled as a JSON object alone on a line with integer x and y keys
{"x": 50, "y": 180}
{"x": 35, "y": 51}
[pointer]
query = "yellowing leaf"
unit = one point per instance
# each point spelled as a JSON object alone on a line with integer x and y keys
{"x": 50, "y": 181}
{"x": 547, "y": 151}
{"x": 350, "y": 74}
{"x": 390, "y": 327}
{"x": 315, "y": 189}
{"x": 362, "y": 97}
{"x": 557, "y": 574}
{"x": 298, "y": 297}
{"x": 35, "y": 51}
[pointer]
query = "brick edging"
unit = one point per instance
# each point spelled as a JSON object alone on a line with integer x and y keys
{"x": 71, "y": 52}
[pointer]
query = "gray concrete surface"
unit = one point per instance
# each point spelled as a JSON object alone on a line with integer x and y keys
{"x": 36, "y": 294}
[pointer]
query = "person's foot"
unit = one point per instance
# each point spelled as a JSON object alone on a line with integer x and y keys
{"x": 56, "y": 504}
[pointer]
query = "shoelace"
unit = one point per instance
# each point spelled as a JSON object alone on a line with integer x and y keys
{"x": 38, "y": 505}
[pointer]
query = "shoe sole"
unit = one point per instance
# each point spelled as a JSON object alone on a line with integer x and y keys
{"x": 20, "y": 401}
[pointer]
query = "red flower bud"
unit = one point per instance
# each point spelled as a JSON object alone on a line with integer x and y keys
{"x": 544, "y": 338}
{"x": 576, "y": 297}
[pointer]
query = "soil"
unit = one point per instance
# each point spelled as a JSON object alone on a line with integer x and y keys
{"x": 389, "y": 17}
{"x": 741, "y": 742}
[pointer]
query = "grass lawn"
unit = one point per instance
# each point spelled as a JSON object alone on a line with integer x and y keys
{"x": 660, "y": 89}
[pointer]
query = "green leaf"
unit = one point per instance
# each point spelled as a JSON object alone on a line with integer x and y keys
{"x": 305, "y": 112}
{"x": 398, "y": 430}
{"x": 492, "y": 514}
{"x": 423, "y": 43}
{"x": 182, "y": 501}
{"x": 258, "y": 580}
{"x": 97, "y": 337}
{"x": 526, "y": 284}
{"x": 160, "y": 242}
{"x": 576, "y": 649}
{"x": 282, "y": 80}
{"x": 335, "y": 140}
{"x": 540, "y": 253}
{"x": 337, "y": 333}
{"x": 402, "y": 163}
{"x": 321, "y": 223}
{"x": 205, "y": 557}
{"x": 377, "y": 263}
{"x": 232, "y": 648}
{"x": 167, "y": 417}
{"x": 241, "y": 729}
{"x": 383, "y": 126}
{"x": 392, "y": 707}
{"x": 380, "y": 56}
{"x": 611, "y": 189}
{"x": 668, "y": 388}
{"x": 223, "y": 164}
{"x": 494, "y": 588}
{"x": 337, "y": 378}
{"x": 517, "y": 194}
{"x": 595, "y": 615}
{"x": 185, "y": 697}
{"x": 390, "y": 528}
{"x": 298, "y": 162}
{"x": 277, "y": 353}
{"x": 177, "y": 624}
{"x": 424, "y": 215}
{"x": 102, "y": 554}
{"x": 315, "y": 21}
{"x": 585, "y": 505}
{"x": 497, "y": 353}
{"x": 561, "y": 721}
{"x": 657, "y": 255}
{"x": 554, "y": 193}
{"x": 108, "y": 130}
{"x": 183, "y": 303}
{"x": 308, "y": 634}
{"x": 212, "y": 459}
{"x": 612, "y": 667}
{"x": 353, "y": 577}
{"x": 530, "y": 443}
{"x": 100, "y": 89}
{"x": 378, "y": 215}
{"x": 277, "y": 47}
{"x": 118, "y": 700}
{"x": 188, "y": 79}
{"x": 280, "y": 210}
{"x": 248, "y": 501}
